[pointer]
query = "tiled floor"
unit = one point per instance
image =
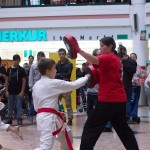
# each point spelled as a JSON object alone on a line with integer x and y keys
{"x": 107, "y": 141}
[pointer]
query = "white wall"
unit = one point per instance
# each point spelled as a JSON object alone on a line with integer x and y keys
{"x": 67, "y": 16}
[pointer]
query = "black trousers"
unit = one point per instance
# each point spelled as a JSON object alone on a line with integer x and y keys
{"x": 91, "y": 102}
{"x": 104, "y": 112}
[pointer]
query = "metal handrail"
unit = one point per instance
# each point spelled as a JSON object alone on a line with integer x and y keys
{"x": 50, "y": 3}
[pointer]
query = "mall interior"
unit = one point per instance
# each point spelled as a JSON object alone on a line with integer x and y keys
{"x": 30, "y": 26}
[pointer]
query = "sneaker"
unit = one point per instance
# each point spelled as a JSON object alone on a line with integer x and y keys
{"x": 136, "y": 120}
{"x": 69, "y": 123}
{"x": 30, "y": 120}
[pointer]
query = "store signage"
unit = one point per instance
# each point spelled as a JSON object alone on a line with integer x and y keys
{"x": 23, "y": 35}
{"x": 90, "y": 38}
{"x": 27, "y": 53}
{"x": 80, "y": 37}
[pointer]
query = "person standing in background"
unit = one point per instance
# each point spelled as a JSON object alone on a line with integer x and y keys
{"x": 92, "y": 93}
{"x": 34, "y": 76}
{"x": 80, "y": 92}
{"x": 15, "y": 88}
{"x": 92, "y": 98}
{"x": 136, "y": 89}
{"x": 147, "y": 89}
{"x": 129, "y": 69}
{"x": 29, "y": 92}
{"x": 30, "y": 59}
{"x": 64, "y": 69}
{"x": 2, "y": 73}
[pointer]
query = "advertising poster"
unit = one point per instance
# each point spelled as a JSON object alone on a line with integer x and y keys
{"x": 143, "y": 35}
{"x": 143, "y": 74}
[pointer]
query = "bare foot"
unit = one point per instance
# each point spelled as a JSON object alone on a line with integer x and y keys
{"x": 16, "y": 130}
{"x": 1, "y": 146}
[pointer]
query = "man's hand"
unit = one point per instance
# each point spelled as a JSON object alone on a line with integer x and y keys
{"x": 7, "y": 93}
{"x": 21, "y": 94}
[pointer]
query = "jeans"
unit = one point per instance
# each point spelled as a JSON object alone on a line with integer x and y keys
{"x": 132, "y": 103}
{"x": 12, "y": 100}
{"x": 31, "y": 112}
{"x": 108, "y": 125}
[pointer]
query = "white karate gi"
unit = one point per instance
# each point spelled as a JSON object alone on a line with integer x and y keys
{"x": 45, "y": 95}
{"x": 3, "y": 126}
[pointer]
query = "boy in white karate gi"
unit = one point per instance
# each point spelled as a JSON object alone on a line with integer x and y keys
{"x": 49, "y": 89}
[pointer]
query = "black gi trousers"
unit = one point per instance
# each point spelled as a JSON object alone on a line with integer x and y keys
{"x": 104, "y": 112}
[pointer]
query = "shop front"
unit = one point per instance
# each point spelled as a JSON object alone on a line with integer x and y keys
{"x": 27, "y": 42}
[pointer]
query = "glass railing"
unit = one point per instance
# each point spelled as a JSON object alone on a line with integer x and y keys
{"x": 44, "y": 3}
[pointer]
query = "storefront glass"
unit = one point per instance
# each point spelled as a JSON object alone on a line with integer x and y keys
{"x": 24, "y": 49}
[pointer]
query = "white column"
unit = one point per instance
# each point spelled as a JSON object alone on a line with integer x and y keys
{"x": 139, "y": 47}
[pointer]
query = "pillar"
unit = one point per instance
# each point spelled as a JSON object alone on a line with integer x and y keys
{"x": 140, "y": 47}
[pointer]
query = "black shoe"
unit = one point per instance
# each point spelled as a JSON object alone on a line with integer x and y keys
{"x": 69, "y": 123}
{"x": 136, "y": 120}
{"x": 8, "y": 122}
{"x": 107, "y": 129}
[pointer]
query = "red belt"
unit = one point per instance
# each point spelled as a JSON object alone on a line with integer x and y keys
{"x": 60, "y": 115}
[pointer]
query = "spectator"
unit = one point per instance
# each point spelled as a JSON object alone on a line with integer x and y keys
{"x": 136, "y": 89}
{"x": 129, "y": 69}
{"x": 147, "y": 89}
{"x": 31, "y": 59}
{"x": 15, "y": 77}
{"x": 28, "y": 90}
{"x": 92, "y": 93}
{"x": 34, "y": 76}
{"x": 64, "y": 69}
{"x": 80, "y": 73}
{"x": 2, "y": 73}
{"x": 92, "y": 98}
